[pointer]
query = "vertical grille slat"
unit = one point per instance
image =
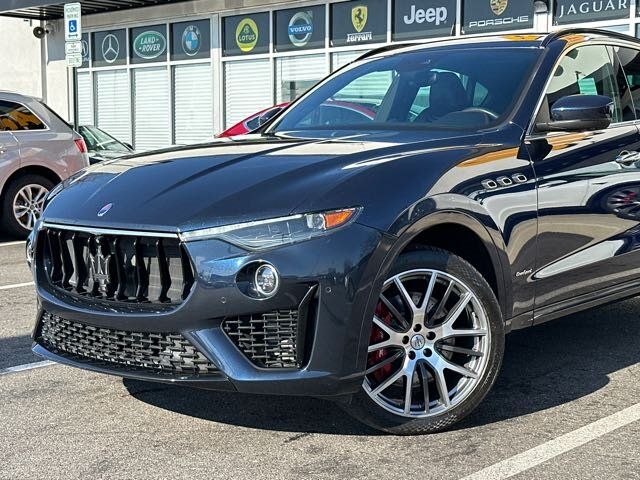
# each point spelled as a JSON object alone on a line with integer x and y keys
{"x": 117, "y": 268}
{"x": 141, "y": 271}
{"x": 66, "y": 263}
{"x": 79, "y": 263}
{"x": 165, "y": 277}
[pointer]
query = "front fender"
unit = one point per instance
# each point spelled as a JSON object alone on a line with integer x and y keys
{"x": 439, "y": 210}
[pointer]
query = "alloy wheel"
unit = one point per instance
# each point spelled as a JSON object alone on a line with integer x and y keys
{"x": 28, "y": 204}
{"x": 429, "y": 344}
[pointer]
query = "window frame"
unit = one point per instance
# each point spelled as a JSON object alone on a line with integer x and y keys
{"x": 24, "y": 105}
{"x": 532, "y": 133}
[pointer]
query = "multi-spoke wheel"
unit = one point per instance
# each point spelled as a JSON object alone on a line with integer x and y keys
{"x": 435, "y": 346}
{"x": 24, "y": 202}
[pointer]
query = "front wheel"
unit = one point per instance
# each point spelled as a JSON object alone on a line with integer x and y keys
{"x": 436, "y": 345}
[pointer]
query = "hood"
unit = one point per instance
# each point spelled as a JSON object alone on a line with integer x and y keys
{"x": 236, "y": 180}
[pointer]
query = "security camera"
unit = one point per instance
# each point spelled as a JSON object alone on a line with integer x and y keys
{"x": 40, "y": 32}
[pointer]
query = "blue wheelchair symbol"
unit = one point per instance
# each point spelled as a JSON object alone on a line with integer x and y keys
{"x": 73, "y": 26}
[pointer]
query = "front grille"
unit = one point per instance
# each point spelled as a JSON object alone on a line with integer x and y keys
{"x": 269, "y": 339}
{"x": 117, "y": 268}
{"x": 166, "y": 353}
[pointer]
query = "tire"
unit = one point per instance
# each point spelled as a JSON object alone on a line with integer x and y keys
{"x": 10, "y": 224}
{"x": 428, "y": 412}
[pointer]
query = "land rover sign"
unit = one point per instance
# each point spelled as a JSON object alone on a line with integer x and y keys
{"x": 148, "y": 44}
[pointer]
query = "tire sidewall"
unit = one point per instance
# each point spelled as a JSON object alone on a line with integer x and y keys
{"x": 368, "y": 411}
{"x": 7, "y": 219}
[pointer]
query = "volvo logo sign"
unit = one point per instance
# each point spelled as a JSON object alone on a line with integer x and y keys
{"x": 110, "y": 48}
{"x": 300, "y": 28}
{"x": 104, "y": 210}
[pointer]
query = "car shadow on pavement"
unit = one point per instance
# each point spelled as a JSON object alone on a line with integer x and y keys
{"x": 16, "y": 351}
{"x": 544, "y": 367}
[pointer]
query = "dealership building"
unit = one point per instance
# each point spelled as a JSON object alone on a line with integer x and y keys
{"x": 156, "y": 73}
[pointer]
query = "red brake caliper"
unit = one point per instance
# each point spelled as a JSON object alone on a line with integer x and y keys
{"x": 377, "y": 336}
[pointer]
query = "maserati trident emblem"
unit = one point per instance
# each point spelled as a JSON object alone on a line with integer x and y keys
{"x": 104, "y": 210}
{"x": 110, "y": 48}
{"x": 99, "y": 270}
{"x": 417, "y": 342}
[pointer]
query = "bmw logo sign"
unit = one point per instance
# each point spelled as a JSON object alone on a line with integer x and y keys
{"x": 191, "y": 40}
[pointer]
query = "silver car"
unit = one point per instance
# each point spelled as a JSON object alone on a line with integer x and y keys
{"x": 38, "y": 149}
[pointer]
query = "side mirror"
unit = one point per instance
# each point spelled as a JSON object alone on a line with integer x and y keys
{"x": 579, "y": 113}
{"x": 268, "y": 115}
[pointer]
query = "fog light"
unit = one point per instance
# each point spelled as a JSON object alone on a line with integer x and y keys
{"x": 266, "y": 280}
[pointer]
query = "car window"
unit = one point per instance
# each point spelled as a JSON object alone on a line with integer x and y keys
{"x": 585, "y": 70}
{"x": 16, "y": 117}
{"x": 426, "y": 88}
{"x": 630, "y": 64}
{"x": 98, "y": 140}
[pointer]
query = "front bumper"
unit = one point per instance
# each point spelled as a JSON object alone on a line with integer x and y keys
{"x": 334, "y": 274}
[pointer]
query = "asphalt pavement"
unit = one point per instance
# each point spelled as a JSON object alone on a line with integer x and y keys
{"x": 565, "y": 406}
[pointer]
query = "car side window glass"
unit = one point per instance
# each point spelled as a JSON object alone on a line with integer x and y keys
{"x": 586, "y": 70}
{"x": 363, "y": 95}
{"x": 16, "y": 117}
{"x": 629, "y": 59}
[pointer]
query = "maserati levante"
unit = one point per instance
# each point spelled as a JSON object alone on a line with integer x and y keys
{"x": 374, "y": 260}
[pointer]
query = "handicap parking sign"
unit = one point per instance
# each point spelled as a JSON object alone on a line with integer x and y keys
{"x": 72, "y": 22}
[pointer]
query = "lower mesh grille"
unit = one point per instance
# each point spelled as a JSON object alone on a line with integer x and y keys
{"x": 269, "y": 339}
{"x": 168, "y": 353}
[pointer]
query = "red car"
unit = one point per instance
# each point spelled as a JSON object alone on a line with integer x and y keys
{"x": 351, "y": 113}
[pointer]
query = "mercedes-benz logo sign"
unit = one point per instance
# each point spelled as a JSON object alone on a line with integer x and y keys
{"x": 110, "y": 48}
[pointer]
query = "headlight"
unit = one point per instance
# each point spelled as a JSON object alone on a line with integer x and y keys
{"x": 277, "y": 231}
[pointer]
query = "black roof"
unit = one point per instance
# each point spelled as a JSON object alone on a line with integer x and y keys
{"x": 49, "y": 10}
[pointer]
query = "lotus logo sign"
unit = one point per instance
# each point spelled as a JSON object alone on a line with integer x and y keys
{"x": 149, "y": 45}
{"x": 247, "y": 35}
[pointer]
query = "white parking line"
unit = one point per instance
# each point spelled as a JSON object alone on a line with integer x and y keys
{"x": 16, "y": 285}
{"x": 26, "y": 366}
{"x": 9, "y": 244}
{"x": 553, "y": 448}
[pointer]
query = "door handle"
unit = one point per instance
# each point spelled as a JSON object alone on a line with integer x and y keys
{"x": 628, "y": 157}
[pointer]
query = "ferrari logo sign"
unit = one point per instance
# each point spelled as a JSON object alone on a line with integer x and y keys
{"x": 498, "y": 6}
{"x": 359, "y": 17}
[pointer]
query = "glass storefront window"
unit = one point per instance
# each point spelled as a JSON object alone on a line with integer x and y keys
{"x": 295, "y": 75}
{"x": 247, "y": 89}
{"x": 340, "y": 59}
{"x": 152, "y": 125}
{"x": 113, "y": 103}
{"x": 192, "y": 103}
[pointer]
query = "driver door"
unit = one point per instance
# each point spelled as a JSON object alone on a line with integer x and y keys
{"x": 587, "y": 246}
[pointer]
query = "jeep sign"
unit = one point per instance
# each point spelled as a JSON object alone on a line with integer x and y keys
{"x": 423, "y": 18}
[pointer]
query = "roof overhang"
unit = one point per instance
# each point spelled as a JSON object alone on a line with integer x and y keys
{"x": 50, "y": 10}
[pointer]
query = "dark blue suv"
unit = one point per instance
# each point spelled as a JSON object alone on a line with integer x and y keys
{"x": 377, "y": 260}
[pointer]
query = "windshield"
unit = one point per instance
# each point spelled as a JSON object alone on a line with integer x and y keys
{"x": 428, "y": 88}
{"x": 98, "y": 140}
